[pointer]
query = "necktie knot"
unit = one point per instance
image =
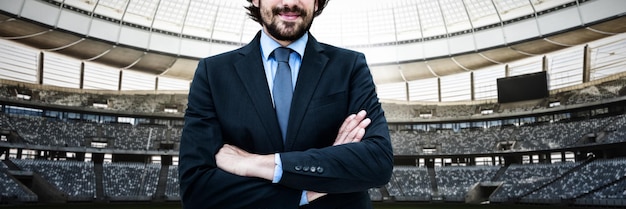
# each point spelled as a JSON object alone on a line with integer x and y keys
{"x": 281, "y": 54}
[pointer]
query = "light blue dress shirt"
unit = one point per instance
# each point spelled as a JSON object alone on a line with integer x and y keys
{"x": 295, "y": 58}
{"x": 270, "y": 65}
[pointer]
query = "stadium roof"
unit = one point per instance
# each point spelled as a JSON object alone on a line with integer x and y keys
{"x": 404, "y": 40}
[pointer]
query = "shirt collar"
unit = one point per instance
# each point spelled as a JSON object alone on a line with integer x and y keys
{"x": 268, "y": 45}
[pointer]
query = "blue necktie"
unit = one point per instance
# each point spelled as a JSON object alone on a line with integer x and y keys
{"x": 283, "y": 88}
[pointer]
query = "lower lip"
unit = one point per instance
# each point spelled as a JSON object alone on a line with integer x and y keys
{"x": 289, "y": 17}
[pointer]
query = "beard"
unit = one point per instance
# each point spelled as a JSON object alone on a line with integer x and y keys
{"x": 282, "y": 30}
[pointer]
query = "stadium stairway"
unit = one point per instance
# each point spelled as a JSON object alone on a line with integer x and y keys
{"x": 385, "y": 193}
{"x": 499, "y": 173}
{"x": 162, "y": 184}
{"x": 99, "y": 185}
{"x": 35, "y": 184}
{"x": 433, "y": 184}
{"x": 11, "y": 165}
{"x": 9, "y": 173}
{"x": 578, "y": 167}
{"x": 623, "y": 178}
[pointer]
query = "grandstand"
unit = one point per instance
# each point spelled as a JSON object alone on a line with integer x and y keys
{"x": 92, "y": 118}
{"x": 564, "y": 155}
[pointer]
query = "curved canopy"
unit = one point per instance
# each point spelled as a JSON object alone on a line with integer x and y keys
{"x": 403, "y": 40}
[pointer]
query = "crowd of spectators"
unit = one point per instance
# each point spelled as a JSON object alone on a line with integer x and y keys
{"x": 172, "y": 189}
{"x": 531, "y": 183}
{"x": 518, "y": 179}
{"x": 71, "y": 99}
{"x": 50, "y": 132}
{"x": 550, "y": 135}
{"x": 536, "y": 136}
{"x": 76, "y": 133}
{"x": 616, "y": 190}
{"x": 454, "y": 111}
{"x": 74, "y": 178}
{"x": 399, "y": 111}
{"x": 10, "y": 190}
{"x": 122, "y": 181}
{"x": 453, "y": 182}
{"x": 375, "y": 194}
{"x": 615, "y": 130}
{"x": 600, "y": 179}
{"x": 409, "y": 183}
{"x": 595, "y": 93}
{"x": 151, "y": 103}
{"x": 524, "y": 106}
{"x": 4, "y": 121}
{"x": 135, "y": 137}
{"x": 599, "y": 92}
{"x": 6, "y": 91}
{"x": 130, "y": 181}
{"x": 597, "y": 174}
{"x": 148, "y": 102}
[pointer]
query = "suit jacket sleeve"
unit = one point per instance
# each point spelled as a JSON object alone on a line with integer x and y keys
{"x": 202, "y": 184}
{"x": 350, "y": 167}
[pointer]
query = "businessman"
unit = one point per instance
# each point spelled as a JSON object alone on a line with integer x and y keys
{"x": 283, "y": 122}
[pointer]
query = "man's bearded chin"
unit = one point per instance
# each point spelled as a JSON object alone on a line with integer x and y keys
{"x": 288, "y": 31}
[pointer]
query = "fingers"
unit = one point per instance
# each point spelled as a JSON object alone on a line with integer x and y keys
{"x": 350, "y": 128}
{"x": 233, "y": 149}
{"x": 357, "y": 134}
{"x": 227, "y": 150}
{"x": 350, "y": 121}
{"x": 224, "y": 155}
{"x": 342, "y": 129}
{"x": 353, "y": 128}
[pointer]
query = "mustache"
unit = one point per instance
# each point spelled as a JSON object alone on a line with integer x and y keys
{"x": 295, "y": 9}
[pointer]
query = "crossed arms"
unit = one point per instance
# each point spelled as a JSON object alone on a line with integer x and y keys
{"x": 234, "y": 160}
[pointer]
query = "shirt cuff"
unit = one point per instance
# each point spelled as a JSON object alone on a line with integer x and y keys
{"x": 278, "y": 169}
{"x": 303, "y": 199}
{"x": 278, "y": 174}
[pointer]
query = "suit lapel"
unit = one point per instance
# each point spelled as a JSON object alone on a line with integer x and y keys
{"x": 250, "y": 70}
{"x": 313, "y": 64}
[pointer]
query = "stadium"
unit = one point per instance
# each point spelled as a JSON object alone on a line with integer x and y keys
{"x": 490, "y": 103}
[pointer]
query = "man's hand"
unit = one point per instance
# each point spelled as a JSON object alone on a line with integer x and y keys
{"x": 234, "y": 160}
{"x": 353, "y": 128}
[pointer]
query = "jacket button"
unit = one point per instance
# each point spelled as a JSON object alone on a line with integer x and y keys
{"x": 320, "y": 169}
{"x": 305, "y": 168}
{"x": 298, "y": 168}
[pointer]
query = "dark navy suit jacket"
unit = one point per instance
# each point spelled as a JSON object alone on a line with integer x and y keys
{"x": 230, "y": 103}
